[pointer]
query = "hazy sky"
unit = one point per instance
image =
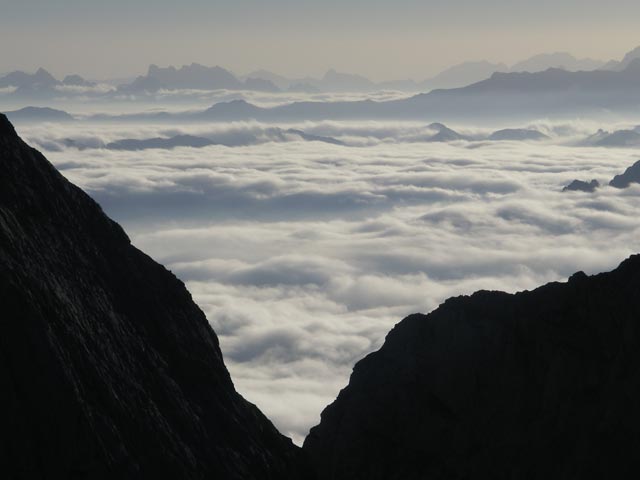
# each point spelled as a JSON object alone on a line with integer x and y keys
{"x": 379, "y": 38}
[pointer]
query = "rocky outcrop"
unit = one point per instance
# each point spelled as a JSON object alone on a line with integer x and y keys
{"x": 630, "y": 175}
{"x": 537, "y": 385}
{"x": 108, "y": 368}
{"x": 582, "y": 186}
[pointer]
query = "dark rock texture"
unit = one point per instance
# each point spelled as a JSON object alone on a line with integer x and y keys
{"x": 630, "y": 175}
{"x": 536, "y": 385}
{"x": 582, "y": 186}
{"x": 108, "y": 368}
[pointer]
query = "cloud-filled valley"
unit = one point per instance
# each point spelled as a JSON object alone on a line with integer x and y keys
{"x": 303, "y": 254}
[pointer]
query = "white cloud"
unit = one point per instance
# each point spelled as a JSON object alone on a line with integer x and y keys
{"x": 303, "y": 255}
{"x": 100, "y": 88}
{"x": 8, "y": 90}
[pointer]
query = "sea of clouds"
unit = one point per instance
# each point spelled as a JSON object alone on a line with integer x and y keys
{"x": 304, "y": 254}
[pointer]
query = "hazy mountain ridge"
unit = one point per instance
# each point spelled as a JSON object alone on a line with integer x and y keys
{"x": 194, "y": 76}
{"x": 199, "y": 77}
{"x": 551, "y": 92}
{"x": 561, "y": 60}
{"x": 39, "y": 114}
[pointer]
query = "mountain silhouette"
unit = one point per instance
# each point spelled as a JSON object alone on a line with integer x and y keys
{"x": 109, "y": 368}
{"x": 194, "y": 76}
{"x": 517, "y": 134}
{"x": 503, "y": 95}
{"x": 562, "y": 60}
{"x": 463, "y": 74}
{"x": 279, "y": 81}
{"x": 582, "y": 186}
{"x": 233, "y": 110}
{"x": 314, "y": 138}
{"x": 444, "y": 133}
{"x": 630, "y": 175}
{"x": 40, "y": 82}
{"x": 39, "y": 114}
{"x": 625, "y": 62}
{"x": 619, "y": 138}
{"x": 540, "y": 384}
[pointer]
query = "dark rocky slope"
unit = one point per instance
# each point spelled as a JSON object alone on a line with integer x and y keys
{"x": 108, "y": 368}
{"x": 536, "y": 385}
{"x": 582, "y": 186}
{"x": 630, "y": 175}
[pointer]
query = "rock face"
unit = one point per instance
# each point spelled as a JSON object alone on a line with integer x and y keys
{"x": 630, "y": 175}
{"x": 582, "y": 186}
{"x": 536, "y": 385}
{"x": 108, "y": 368}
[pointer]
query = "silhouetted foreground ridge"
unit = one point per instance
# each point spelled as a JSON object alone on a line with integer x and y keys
{"x": 537, "y": 385}
{"x": 108, "y": 368}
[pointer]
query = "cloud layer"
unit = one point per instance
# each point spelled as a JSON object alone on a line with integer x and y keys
{"x": 304, "y": 254}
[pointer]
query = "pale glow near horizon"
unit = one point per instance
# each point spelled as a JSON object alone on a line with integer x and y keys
{"x": 380, "y": 39}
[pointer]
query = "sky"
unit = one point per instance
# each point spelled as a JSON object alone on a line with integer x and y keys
{"x": 378, "y": 38}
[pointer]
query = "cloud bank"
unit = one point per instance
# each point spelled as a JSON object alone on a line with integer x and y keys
{"x": 304, "y": 254}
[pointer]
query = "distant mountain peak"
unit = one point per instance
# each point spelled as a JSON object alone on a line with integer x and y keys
{"x": 41, "y": 72}
{"x": 631, "y": 55}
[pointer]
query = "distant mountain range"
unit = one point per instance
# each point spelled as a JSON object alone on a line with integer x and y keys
{"x": 39, "y": 114}
{"x": 503, "y": 95}
{"x": 200, "y": 77}
{"x": 194, "y": 76}
{"x": 241, "y": 110}
{"x": 625, "y": 62}
{"x": 624, "y": 180}
{"x": 40, "y": 83}
{"x": 562, "y": 60}
{"x": 618, "y": 138}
